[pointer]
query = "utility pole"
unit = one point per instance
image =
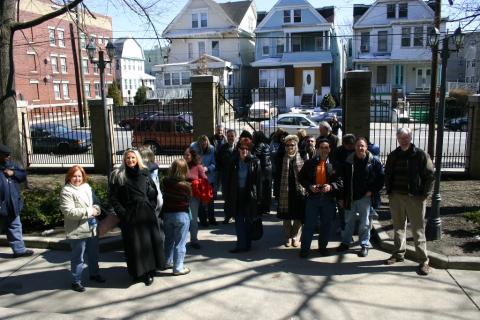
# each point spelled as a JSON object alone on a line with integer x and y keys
{"x": 80, "y": 62}
{"x": 78, "y": 84}
{"x": 433, "y": 85}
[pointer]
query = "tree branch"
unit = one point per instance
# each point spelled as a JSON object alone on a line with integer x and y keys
{"x": 46, "y": 17}
{"x": 145, "y": 13}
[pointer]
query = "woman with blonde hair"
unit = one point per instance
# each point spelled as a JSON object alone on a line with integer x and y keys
{"x": 291, "y": 204}
{"x": 133, "y": 196}
{"x": 80, "y": 207}
{"x": 177, "y": 194}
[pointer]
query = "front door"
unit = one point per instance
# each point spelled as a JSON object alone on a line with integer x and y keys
{"x": 308, "y": 81}
{"x": 423, "y": 78}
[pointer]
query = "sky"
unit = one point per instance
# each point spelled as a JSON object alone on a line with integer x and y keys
{"x": 126, "y": 23}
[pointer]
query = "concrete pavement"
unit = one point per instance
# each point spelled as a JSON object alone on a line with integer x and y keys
{"x": 270, "y": 282}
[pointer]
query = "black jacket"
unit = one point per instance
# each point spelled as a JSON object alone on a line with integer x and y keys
{"x": 420, "y": 171}
{"x": 250, "y": 198}
{"x": 307, "y": 177}
{"x": 224, "y": 156}
{"x": 373, "y": 172}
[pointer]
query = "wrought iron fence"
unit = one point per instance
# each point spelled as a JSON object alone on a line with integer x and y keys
{"x": 166, "y": 127}
{"x": 53, "y": 136}
{"x": 385, "y": 121}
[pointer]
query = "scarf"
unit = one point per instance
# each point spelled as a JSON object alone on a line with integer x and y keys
{"x": 283, "y": 194}
{"x": 83, "y": 192}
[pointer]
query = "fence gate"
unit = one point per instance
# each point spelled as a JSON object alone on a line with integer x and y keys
{"x": 385, "y": 121}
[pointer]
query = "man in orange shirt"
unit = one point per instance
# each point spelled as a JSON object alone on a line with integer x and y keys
{"x": 319, "y": 178}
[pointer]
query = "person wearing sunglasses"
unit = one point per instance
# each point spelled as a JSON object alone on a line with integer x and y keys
{"x": 243, "y": 192}
{"x": 291, "y": 204}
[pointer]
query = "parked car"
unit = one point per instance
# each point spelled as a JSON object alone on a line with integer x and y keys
{"x": 132, "y": 122}
{"x": 163, "y": 133}
{"x": 55, "y": 138}
{"x": 261, "y": 110}
{"x": 455, "y": 124}
{"x": 290, "y": 122}
{"x": 326, "y": 116}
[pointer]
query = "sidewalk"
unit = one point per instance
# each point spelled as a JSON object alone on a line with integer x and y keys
{"x": 270, "y": 282}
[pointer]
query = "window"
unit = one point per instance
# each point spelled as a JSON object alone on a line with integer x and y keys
{"x": 265, "y": 47}
{"x": 53, "y": 61}
{"x": 86, "y": 89}
{"x": 280, "y": 45}
{"x": 166, "y": 79}
{"x": 271, "y": 78}
{"x": 95, "y": 68}
{"x": 185, "y": 78}
{"x": 65, "y": 90}
{"x": 96, "y": 88}
{"x": 83, "y": 44}
{"x": 296, "y": 44}
{"x": 216, "y": 48}
{"x": 109, "y": 68}
{"x": 403, "y": 10}
{"x": 61, "y": 38}
{"x": 130, "y": 84}
{"x": 85, "y": 66}
{"x": 286, "y": 16}
{"x": 35, "y": 90}
{"x": 406, "y": 37}
{"x": 32, "y": 61}
{"x": 381, "y": 74}
{"x": 473, "y": 63}
{"x": 382, "y": 41}
{"x": 51, "y": 36}
{"x": 201, "y": 48}
{"x": 63, "y": 64}
{"x": 318, "y": 43}
{"x": 365, "y": 42}
{"x": 194, "y": 20}
{"x": 190, "y": 51}
{"x": 175, "y": 79}
{"x": 391, "y": 10}
{"x": 203, "y": 19}
{"x": 56, "y": 91}
{"x": 399, "y": 75}
{"x": 418, "y": 37}
{"x": 295, "y": 13}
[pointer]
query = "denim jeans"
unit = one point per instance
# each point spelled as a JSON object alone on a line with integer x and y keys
{"x": 318, "y": 207}
{"x": 13, "y": 228}
{"x": 362, "y": 207}
{"x": 241, "y": 228}
{"x": 176, "y": 233}
{"x": 194, "y": 206}
{"x": 79, "y": 248}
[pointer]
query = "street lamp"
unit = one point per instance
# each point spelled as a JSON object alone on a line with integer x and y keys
{"x": 102, "y": 63}
{"x": 433, "y": 229}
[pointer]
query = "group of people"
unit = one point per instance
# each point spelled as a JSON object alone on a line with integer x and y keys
{"x": 311, "y": 178}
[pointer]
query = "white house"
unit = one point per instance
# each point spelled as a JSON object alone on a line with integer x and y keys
{"x": 130, "y": 68}
{"x": 297, "y": 52}
{"x": 390, "y": 39}
{"x": 208, "y": 37}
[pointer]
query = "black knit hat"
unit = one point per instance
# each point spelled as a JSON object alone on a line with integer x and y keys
{"x": 246, "y": 134}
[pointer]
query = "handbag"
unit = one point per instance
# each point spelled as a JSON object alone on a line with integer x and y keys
{"x": 202, "y": 190}
{"x": 255, "y": 231}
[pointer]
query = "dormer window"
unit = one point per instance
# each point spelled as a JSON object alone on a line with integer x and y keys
{"x": 292, "y": 16}
{"x": 199, "y": 20}
{"x": 403, "y": 10}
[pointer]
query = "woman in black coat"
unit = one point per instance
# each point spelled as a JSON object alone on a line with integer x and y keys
{"x": 133, "y": 195}
{"x": 261, "y": 150}
{"x": 242, "y": 193}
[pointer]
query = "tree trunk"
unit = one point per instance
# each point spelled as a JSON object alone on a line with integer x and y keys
{"x": 9, "y": 130}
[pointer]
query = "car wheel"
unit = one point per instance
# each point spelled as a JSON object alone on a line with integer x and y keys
{"x": 63, "y": 148}
{"x": 154, "y": 147}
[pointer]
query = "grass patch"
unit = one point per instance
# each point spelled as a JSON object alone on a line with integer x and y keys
{"x": 474, "y": 217}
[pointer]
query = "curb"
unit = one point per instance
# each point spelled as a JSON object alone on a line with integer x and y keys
{"x": 108, "y": 243}
{"x": 437, "y": 260}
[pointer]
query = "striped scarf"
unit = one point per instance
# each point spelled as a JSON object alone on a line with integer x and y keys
{"x": 283, "y": 194}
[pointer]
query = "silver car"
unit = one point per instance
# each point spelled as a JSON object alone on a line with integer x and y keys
{"x": 290, "y": 122}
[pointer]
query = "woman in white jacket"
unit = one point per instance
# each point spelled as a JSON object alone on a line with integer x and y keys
{"x": 80, "y": 209}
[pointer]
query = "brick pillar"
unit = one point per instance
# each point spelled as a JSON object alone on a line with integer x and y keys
{"x": 204, "y": 98}
{"x": 474, "y": 136}
{"x": 98, "y": 133}
{"x": 356, "y": 119}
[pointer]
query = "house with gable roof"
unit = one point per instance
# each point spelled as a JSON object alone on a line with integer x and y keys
{"x": 207, "y": 37}
{"x": 390, "y": 39}
{"x": 298, "y": 53}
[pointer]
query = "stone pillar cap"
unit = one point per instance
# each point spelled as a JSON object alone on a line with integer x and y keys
{"x": 475, "y": 99}
{"x": 204, "y": 78}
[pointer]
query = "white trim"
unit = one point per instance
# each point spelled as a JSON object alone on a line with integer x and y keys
{"x": 31, "y": 52}
{"x": 34, "y": 81}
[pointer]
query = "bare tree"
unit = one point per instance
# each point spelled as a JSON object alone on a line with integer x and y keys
{"x": 9, "y": 24}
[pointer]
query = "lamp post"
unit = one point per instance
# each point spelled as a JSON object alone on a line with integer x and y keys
{"x": 102, "y": 64}
{"x": 433, "y": 229}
